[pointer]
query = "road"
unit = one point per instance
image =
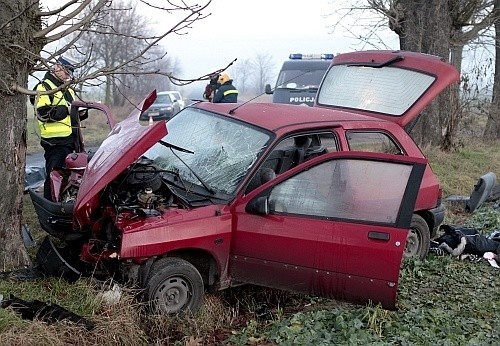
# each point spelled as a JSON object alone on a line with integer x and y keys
{"x": 35, "y": 160}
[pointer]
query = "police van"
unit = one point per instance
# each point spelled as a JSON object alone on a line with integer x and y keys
{"x": 299, "y": 79}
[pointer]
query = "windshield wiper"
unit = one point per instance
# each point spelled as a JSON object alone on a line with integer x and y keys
{"x": 169, "y": 145}
{"x": 200, "y": 179}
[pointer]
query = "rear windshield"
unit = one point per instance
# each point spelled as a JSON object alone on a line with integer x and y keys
{"x": 387, "y": 90}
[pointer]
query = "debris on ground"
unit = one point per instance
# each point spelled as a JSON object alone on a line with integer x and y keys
{"x": 485, "y": 189}
{"x": 49, "y": 313}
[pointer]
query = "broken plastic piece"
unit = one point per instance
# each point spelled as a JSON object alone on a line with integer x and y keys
{"x": 49, "y": 313}
{"x": 481, "y": 191}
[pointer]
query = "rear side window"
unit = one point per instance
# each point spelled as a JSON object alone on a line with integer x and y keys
{"x": 372, "y": 141}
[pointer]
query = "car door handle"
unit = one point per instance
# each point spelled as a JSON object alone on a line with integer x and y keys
{"x": 379, "y": 235}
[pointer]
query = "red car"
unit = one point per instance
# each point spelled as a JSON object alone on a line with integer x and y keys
{"x": 225, "y": 194}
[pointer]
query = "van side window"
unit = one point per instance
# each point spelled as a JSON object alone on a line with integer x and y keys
{"x": 372, "y": 141}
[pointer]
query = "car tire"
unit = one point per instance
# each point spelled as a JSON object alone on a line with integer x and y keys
{"x": 418, "y": 239}
{"x": 174, "y": 286}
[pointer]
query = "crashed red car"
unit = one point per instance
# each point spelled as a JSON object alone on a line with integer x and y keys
{"x": 225, "y": 194}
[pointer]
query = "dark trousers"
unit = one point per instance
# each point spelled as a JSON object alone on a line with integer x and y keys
{"x": 54, "y": 158}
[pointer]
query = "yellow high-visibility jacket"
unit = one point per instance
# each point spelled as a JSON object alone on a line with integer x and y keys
{"x": 59, "y": 128}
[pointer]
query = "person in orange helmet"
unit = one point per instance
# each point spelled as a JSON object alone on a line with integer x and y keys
{"x": 226, "y": 92}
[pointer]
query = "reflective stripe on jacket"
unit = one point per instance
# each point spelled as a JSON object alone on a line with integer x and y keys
{"x": 61, "y": 128}
{"x": 226, "y": 93}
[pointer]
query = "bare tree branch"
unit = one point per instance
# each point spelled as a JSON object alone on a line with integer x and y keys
{"x": 58, "y": 10}
{"x": 89, "y": 17}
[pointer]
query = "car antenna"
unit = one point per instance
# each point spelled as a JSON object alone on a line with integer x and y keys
{"x": 231, "y": 111}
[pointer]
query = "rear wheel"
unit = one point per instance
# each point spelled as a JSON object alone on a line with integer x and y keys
{"x": 174, "y": 286}
{"x": 418, "y": 240}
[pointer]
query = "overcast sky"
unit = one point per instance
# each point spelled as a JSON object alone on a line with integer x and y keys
{"x": 243, "y": 29}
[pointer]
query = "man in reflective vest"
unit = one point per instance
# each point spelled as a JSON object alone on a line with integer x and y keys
{"x": 226, "y": 92}
{"x": 54, "y": 121}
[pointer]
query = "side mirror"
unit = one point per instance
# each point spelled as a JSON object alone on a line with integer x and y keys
{"x": 269, "y": 91}
{"x": 259, "y": 206}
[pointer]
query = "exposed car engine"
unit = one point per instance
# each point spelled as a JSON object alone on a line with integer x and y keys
{"x": 141, "y": 187}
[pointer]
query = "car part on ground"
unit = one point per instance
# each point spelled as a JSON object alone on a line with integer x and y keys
{"x": 34, "y": 177}
{"x": 483, "y": 190}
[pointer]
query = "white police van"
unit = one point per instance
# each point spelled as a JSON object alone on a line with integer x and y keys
{"x": 299, "y": 79}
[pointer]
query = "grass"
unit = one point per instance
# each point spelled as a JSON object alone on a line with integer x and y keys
{"x": 441, "y": 300}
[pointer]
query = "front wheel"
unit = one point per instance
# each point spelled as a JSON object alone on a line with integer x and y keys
{"x": 418, "y": 239}
{"x": 174, "y": 286}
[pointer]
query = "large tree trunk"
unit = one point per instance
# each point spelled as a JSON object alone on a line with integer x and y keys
{"x": 426, "y": 28}
{"x": 452, "y": 118}
{"x": 492, "y": 129}
{"x": 15, "y": 68}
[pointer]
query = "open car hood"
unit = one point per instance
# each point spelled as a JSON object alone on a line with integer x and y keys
{"x": 390, "y": 85}
{"x": 126, "y": 142}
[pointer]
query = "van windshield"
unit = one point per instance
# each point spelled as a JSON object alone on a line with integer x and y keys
{"x": 299, "y": 79}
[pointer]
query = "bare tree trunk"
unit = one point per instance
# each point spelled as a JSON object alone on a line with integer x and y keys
{"x": 452, "y": 118}
{"x": 492, "y": 129}
{"x": 426, "y": 28}
{"x": 15, "y": 68}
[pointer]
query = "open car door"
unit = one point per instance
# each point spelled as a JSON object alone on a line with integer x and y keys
{"x": 335, "y": 226}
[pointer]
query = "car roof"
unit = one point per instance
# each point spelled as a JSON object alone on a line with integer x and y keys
{"x": 275, "y": 116}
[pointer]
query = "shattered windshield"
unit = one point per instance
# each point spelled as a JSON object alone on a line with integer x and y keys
{"x": 223, "y": 149}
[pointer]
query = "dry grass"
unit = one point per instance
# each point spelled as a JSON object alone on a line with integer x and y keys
{"x": 461, "y": 168}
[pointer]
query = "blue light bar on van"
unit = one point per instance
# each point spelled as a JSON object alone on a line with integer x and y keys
{"x": 298, "y": 56}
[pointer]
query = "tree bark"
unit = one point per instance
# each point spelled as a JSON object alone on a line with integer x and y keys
{"x": 492, "y": 129}
{"x": 426, "y": 28}
{"x": 451, "y": 119}
{"x": 19, "y": 22}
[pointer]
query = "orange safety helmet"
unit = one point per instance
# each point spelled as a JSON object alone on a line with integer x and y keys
{"x": 223, "y": 78}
